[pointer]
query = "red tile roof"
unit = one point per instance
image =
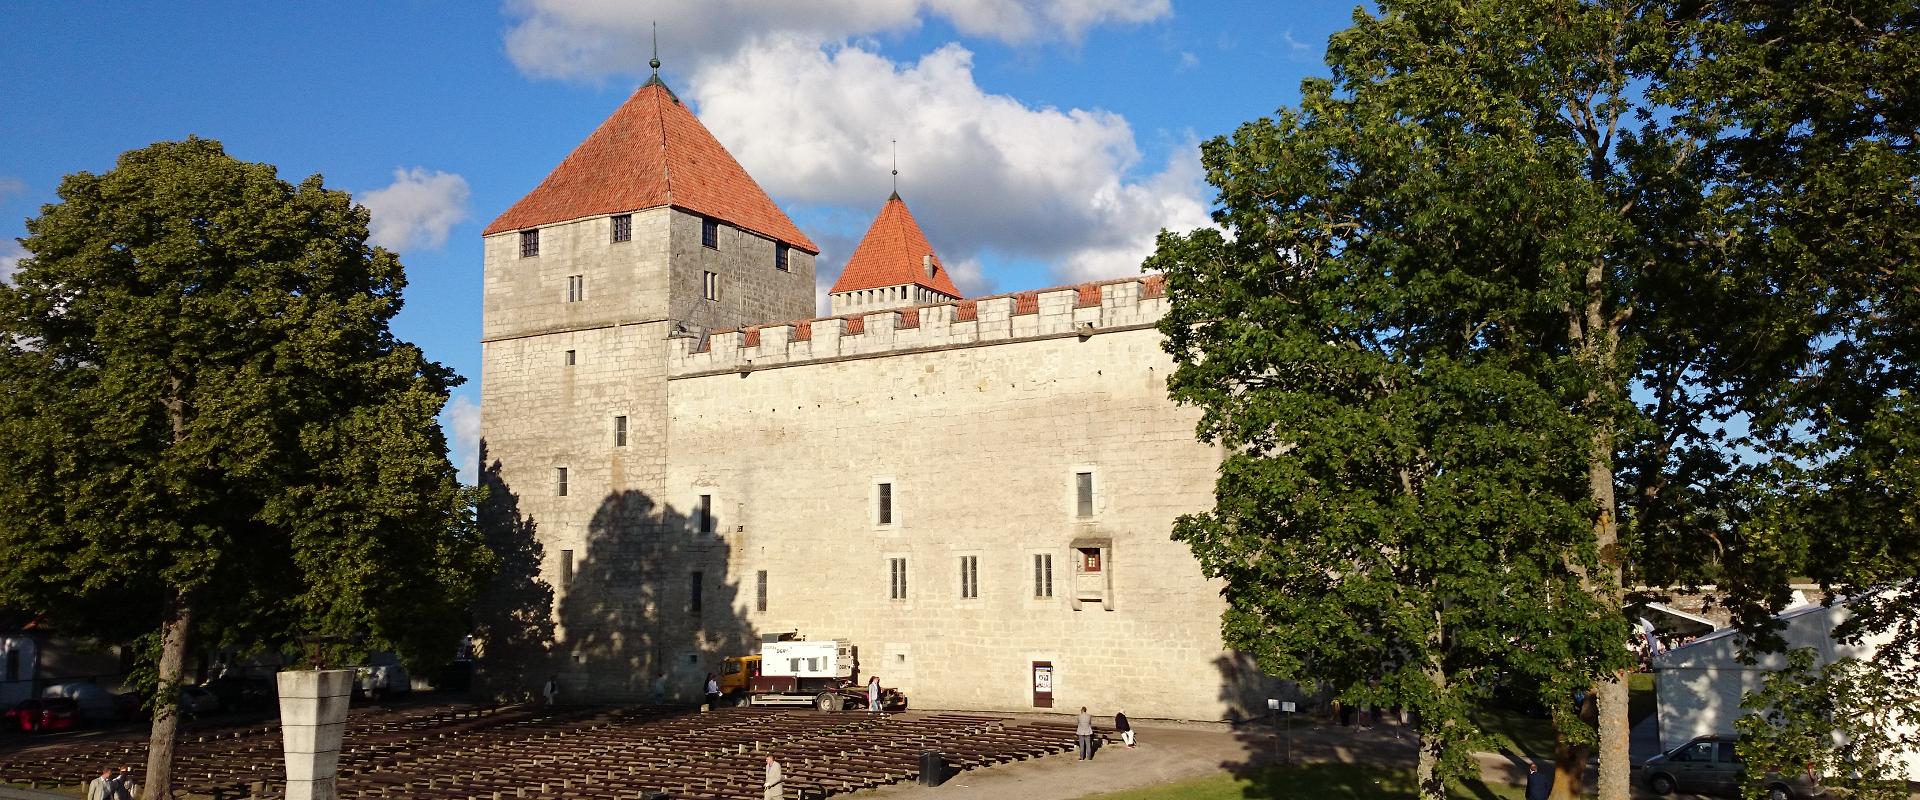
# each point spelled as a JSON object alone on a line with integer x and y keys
{"x": 652, "y": 152}
{"x": 891, "y": 255}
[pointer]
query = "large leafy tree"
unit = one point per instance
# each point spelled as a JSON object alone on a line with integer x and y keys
{"x": 1668, "y": 249}
{"x": 209, "y": 435}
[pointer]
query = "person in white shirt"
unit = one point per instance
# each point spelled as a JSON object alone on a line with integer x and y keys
{"x": 776, "y": 785}
{"x": 873, "y": 694}
{"x": 101, "y": 788}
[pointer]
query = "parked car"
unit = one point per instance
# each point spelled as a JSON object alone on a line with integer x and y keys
{"x": 1711, "y": 765}
{"x": 381, "y": 681}
{"x": 196, "y": 701}
{"x": 95, "y": 702}
{"x": 43, "y": 715}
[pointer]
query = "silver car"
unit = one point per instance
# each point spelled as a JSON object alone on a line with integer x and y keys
{"x": 1711, "y": 765}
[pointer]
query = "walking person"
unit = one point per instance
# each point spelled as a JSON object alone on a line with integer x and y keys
{"x": 1125, "y": 728}
{"x": 776, "y": 784}
{"x": 101, "y": 788}
{"x": 1085, "y": 732}
{"x": 713, "y": 691}
{"x": 873, "y": 695}
{"x": 551, "y": 691}
{"x": 1539, "y": 784}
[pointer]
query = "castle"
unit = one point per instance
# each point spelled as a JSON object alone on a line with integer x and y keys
{"x": 976, "y": 492}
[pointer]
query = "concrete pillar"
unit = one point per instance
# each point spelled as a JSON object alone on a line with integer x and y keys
{"x": 313, "y": 714}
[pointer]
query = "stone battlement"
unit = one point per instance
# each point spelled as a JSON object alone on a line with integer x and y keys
{"x": 1125, "y": 304}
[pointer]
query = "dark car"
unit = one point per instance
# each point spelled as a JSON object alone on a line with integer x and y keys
{"x": 1711, "y": 765}
{"x": 43, "y": 715}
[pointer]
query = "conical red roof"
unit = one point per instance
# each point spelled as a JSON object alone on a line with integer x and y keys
{"x": 892, "y": 254}
{"x": 652, "y": 152}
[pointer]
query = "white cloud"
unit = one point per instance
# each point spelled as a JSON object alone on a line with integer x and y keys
{"x": 461, "y": 421}
{"x": 10, "y": 187}
{"x": 417, "y": 210}
{"x": 595, "y": 38}
{"x": 984, "y": 173}
{"x": 10, "y": 254}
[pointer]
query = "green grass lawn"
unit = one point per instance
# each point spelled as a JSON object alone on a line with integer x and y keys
{"x": 1331, "y": 781}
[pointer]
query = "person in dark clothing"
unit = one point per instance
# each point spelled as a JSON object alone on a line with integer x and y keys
{"x": 1539, "y": 784}
{"x": 1125, "y": 728}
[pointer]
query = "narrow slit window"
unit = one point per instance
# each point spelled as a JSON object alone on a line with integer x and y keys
{"x": 710, "y": 285}
{"x": 1042, "y": 575}
{"x": 897, "y": 568}
{"x": 560, "y": 481}
{"x": 570, "y": 358}
{"x": 695, "y": 582}
{"x": 1083, "y": 493}
{"x": 576, "y": 288}
{"x": 969, "y": 577}
{"x": 885, "y": 510}
{"x": 760, "y": 591}
{"x": 620, "y": 431}
{"x": 566, "y": 568}
{"x": 705, "y": 513}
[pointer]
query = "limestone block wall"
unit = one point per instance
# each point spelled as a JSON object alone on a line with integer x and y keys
{"x": 978, "y": 417}
{"x": 752, "y": 290}
{"x": 622, "y": 280}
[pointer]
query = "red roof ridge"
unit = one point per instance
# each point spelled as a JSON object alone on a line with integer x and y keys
{"x": 615, "y": 170}
{"x": 1026, "y": 301}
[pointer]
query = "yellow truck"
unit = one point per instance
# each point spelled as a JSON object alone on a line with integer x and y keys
{"x": 791, "y": 671}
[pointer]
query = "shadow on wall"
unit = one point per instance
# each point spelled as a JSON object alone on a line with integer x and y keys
{"x": 648, "y": 594}
{"x": 513, "y": 617}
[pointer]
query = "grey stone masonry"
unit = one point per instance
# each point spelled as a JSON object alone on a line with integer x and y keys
{"x": 313, "y": 715}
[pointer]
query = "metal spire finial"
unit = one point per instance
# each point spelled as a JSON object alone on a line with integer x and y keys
{"x": 655, "y": 61}
{"x": 896, "y": 168}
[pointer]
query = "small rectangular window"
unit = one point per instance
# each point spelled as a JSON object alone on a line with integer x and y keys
{"x": 1083, "y": 493}
{"x": 782, "y": 259}
{"x": 569, "y": 358}
{"x": 897, "y": 567}
{"x": 566, "y": 568}
{"x": 560, "y": 481}
{"x": 710, "y": 233}
{"x": 576, "y": 288}
{"x": 694, "y": 582}
{"x": 705, "y": 513}
{"x": 710, "y": 286}
{"x": 620, "y": 431}
{"x": 1042, "y": 575}
{"x": 530, "y": 243}
{"x": 623, "y": 228}
{"x": 969, "y": 577}
{"x": 885, "y": 510}
{"x": 1089, "y": 559}
{"x": 760, "y": 591}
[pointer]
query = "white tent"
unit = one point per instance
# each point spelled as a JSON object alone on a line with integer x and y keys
{"x": 1699, "y": 684}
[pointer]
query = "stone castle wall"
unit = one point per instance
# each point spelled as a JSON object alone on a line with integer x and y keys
{"x": 979, "y": 416}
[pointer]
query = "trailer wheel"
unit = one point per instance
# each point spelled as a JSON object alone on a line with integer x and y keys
{"x": 827, "y": 701}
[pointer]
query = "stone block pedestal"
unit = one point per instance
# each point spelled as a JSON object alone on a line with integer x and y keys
{"x": 313, "y": 714}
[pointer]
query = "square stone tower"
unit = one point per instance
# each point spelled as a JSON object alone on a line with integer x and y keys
{"x": 648, "y": 230}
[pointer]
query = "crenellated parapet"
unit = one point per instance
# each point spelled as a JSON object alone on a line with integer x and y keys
{"x": 1085, "y": 310}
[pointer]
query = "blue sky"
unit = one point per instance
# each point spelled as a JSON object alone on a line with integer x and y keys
{"x": 1042, "y": 142}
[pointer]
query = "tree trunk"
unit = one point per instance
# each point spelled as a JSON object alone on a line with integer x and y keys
{"x": 1598, "y": 338}
{"x": 1616, "y": 761}
{"x": 1570, "y": 759}
{"x": 166, "y": 703}
{"x": 1427, "y": 770}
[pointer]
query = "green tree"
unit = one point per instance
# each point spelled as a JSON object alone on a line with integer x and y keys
{"x": 209, "y": 434}
{"x": 1597, "y": 232}
{"x": 1838, "y": 722}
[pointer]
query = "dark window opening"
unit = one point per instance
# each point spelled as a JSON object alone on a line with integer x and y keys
{"x": 570, "y": 358}
{"x": 886, "y": 504}
{"x": 566, "y": 568}
{"x": 560, "y": 481}
{"x": 898, "y": 587}
{"x": 694, "y": 582}
{"x": 760, "y": 591}
{"x": 619, "y": 431}
{"x": 623, "y": 228}
{"x": 710, "y": 233}
{"x": 969, "y": 577}
{"x": 1089, "y": 559}
{"x": 530, "y": 243}
{"x": 1043, "y": 575}
{"x": 705, "y": 513}
{"x": 782, "y": 260}
{"x": 1083, "y": 493}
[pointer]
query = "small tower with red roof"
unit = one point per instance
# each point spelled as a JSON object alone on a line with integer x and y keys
{"x": 893, "y": 267}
